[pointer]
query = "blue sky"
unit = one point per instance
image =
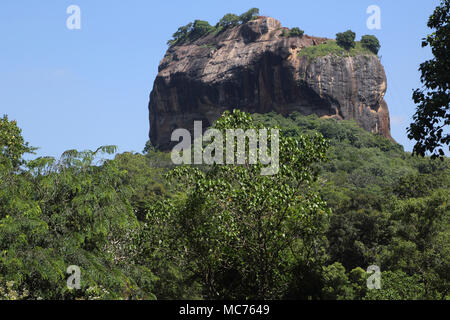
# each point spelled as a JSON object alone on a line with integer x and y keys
{"x": 79, "y": 89}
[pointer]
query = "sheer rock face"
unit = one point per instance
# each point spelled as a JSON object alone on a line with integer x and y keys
{"x": 254, "y": 68}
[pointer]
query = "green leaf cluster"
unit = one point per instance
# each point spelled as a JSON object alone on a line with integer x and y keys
{"x": 199, "y": 28}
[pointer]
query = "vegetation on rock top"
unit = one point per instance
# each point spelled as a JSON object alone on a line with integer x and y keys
{"x": 330, "y": 47}
{"x": 199, "y": 28}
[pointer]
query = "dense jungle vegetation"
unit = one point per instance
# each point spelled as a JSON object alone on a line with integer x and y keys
{"x": 140, "y": 228}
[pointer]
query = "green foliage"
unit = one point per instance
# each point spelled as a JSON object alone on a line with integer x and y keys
{"x": 146, "y": 179}
{"x": 243, "y": 230}
{"x": 357, "y": 237}
{"x": 191, "y": 32}
{"x": 432, "y": 116}
{"x": 249, "y": 15}
{"x": 12, "y": 145}
{"x": 148, "y": 147}
{"x": 140, "y": 229}
{"x": 389, "y": 208}
{"x": 422, "y": 243}
{"x": 371, "y": 43}
{"x": 346, "y": 39}
{"x": 7, "y": 292}
{"x": 330, "y": 47}
{"x": 397, "y": 285}
{"x": 358, "y": 279}
{"x": 70, "y": 212}
{"x": 228, "y": 21}
{"x": 296, "y": 32}
{"x": 199, "y": 28}
{"x": 181, "y": 35}
{"x": 336, "y": 285}
{"x": 420, "y": 185}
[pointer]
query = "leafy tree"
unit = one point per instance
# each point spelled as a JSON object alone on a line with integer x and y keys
{"x": 336, "y": 285}
{"x": 370, "y": 184}
{"x": 371, "y": 42}
{"x": 162, "y": 250}
{"x": 346, "y": 39}
{"x": 70, "y": 212}
{"x": 358, "y": 278}
{"x": 243, "y": 230}
{"x": 249, "y": 15}
{"x": 229, "y": 20}
{"x": 147, "y": 181}
{"x": 148, "y": 147}
{"x": 397, "y": 285}
{"x": 419, "y": 185}
{"x": 357, "y": 238}
{"x": 12, "y": 145}
{"x": 200, "y": 28}
{"x": 181, "y": 34}
{"x": 296, "y": 32}
{"x": 191, "y": 32}
{"x": 433, "y": 114}
{"x": 225, "y": 231}
{"x": 421, "y": 246}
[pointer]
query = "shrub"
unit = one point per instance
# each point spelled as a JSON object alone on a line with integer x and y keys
{"x": 370, "y": 42}
{"x": 229, "y": 20}
{"x": 249, "y": 15}
{"x": 330, "y": 47}
{"x": 199, "y": 29}
{"x": 190, "y": 32}
{"x": 346, "y": 39}
{"x": 12, "y": 145}
{"x": 181, "y": 35}
{"x": 296, "y": 32}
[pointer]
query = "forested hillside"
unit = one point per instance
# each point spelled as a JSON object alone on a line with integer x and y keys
{"x": 139, "y": 228}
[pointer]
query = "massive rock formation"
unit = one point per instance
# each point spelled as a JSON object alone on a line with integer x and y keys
{"x": 253, "y": 67}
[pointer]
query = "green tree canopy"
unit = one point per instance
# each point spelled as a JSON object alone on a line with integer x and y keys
{"x": 181, "y": 34}
{"x": 249, "y": 15}
{"x": 371, "y": 42}
{"x": 432, "y": 117}
{"x": 346, "y": 39}
{"x": 242, "y": 230}
{"x": 200, "y": 28}
{"x": 296, "y": 32}
{"x": 12, "y": 145}
{"x": 229, "y": 20}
